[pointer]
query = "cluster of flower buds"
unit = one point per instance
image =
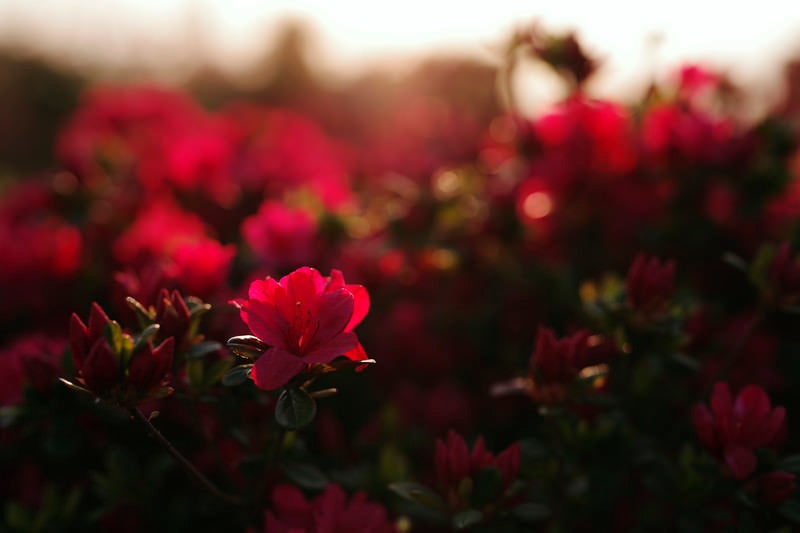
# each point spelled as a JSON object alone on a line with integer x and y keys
{"x": 734, "y": 429}
{"x": 556, "y": 364}
{"x": 115, "y": 366}
{"x": 460, "y": 470}
{"x": 649, "y": 286}
{"x": 330, "y": 511}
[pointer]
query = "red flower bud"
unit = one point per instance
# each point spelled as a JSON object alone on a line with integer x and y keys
{"x": 650, "y": 285}
{"x": 776, "y": 487}
{"x": 733, "y": 430}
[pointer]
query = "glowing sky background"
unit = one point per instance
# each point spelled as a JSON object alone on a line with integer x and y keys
{"x": 749, "y": 40}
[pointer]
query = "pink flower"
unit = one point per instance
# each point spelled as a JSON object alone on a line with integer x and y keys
{"x": 279, "y": 235}
{"x": 305, "y": 319}
{"x": 733, "y": 430}
{"x": 328, "y": 512}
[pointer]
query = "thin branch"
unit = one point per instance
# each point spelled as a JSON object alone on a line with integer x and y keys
{"x": 184, "y": 462}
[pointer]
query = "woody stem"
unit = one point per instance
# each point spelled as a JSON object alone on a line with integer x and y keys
{"x": 183, "y": 461}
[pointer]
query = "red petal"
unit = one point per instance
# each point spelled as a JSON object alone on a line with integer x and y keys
{"x": 333, "y": 348}
{"x": 703, "y": 423}
{"x": 333, "y": 313}
{"x": 360, "y": 307}
{"x": 266, "y": 323}
{"x": 741, "y": 461}
{"x": 100, "y": 369}
{"x": 722, "y": 408}
{"x": 276, "y": 368}
{"x": 78, "y": 340}
{"x": 304, "y": 285}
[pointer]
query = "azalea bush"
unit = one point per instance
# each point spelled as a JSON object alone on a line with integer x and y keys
{"x": 441, "y": 317}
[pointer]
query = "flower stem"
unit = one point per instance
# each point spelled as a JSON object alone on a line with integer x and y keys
{"x": 183, "y": 461}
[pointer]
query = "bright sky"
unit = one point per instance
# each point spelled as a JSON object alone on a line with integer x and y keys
{"x": 751, "y": 40}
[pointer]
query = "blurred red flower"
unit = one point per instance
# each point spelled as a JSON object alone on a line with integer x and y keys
{"x": 328, "y": 512}
{"x": 733, "y": 430}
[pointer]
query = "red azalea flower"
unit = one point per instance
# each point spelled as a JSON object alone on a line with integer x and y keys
{"x": 328, "y": 512}
{"x": 305, "y": 319}
{"x": 650, "y": 284}
{"x": 732, "y": 430}
{"x": 279, "y": 235}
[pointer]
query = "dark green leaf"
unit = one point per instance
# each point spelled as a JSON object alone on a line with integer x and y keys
{"x": 466, "y": 519}
{"x": 791, "y": 511}
{"x": 247, "y": 346}
{"x": 532, "y": 448}
{"x": 216, "y": 372}
{"x": 417, "y": 493}
{"x": 530, "y": 512}
{"x": 237, "y": 375}
{"x": 306, "y": 476}
{"x": 202, "y": 349}
{"x": 487, "y": 484}
{"x": 790, "y": 464}
{"x": 295, "y": 409}
{"x": 759, "y": 269}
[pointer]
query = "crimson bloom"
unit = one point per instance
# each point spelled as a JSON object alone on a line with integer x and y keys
{"x": 328, "y": 512}
{"x": 305, "y": 319}
{"x": 733, "y": 429}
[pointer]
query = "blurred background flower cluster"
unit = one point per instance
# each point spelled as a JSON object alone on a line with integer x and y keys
{"x": 583, "y": 308}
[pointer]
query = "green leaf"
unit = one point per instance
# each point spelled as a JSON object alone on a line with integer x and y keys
{"x": 306, "y": 475}
{"x": 216, "y": 372}
{"x": 202, "y": 349}
{"x": 790, "y": 464}
{"x": 533, "y": 449}
{"x": 466, "y": 519}
{"x": 791, "y": 511}
{"x": 145, "y": 336}
{"x": 144, "y": 316}
{"x": 530, "y": 512}
{"x": 113, "y": 334}
{"x": 487, "y": 485}
{"x": 247, "y": 346}
{"x": 237, "y": 375}
{"x": 759, "y": 269}
{"x": 295, "y": 408}
{"x": 418, "y": 493}
{"x": 196, "y": 306}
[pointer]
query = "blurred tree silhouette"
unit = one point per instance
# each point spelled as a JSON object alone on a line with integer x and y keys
{"x": 35, "y": 98}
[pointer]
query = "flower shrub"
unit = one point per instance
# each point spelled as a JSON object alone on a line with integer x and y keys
{"x": 605, "y": 295}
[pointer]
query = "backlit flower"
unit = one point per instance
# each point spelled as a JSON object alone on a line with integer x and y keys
{"x": 305, "y": 319}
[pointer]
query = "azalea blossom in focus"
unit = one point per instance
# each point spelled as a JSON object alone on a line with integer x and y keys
{"x": 305, "y": 318}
